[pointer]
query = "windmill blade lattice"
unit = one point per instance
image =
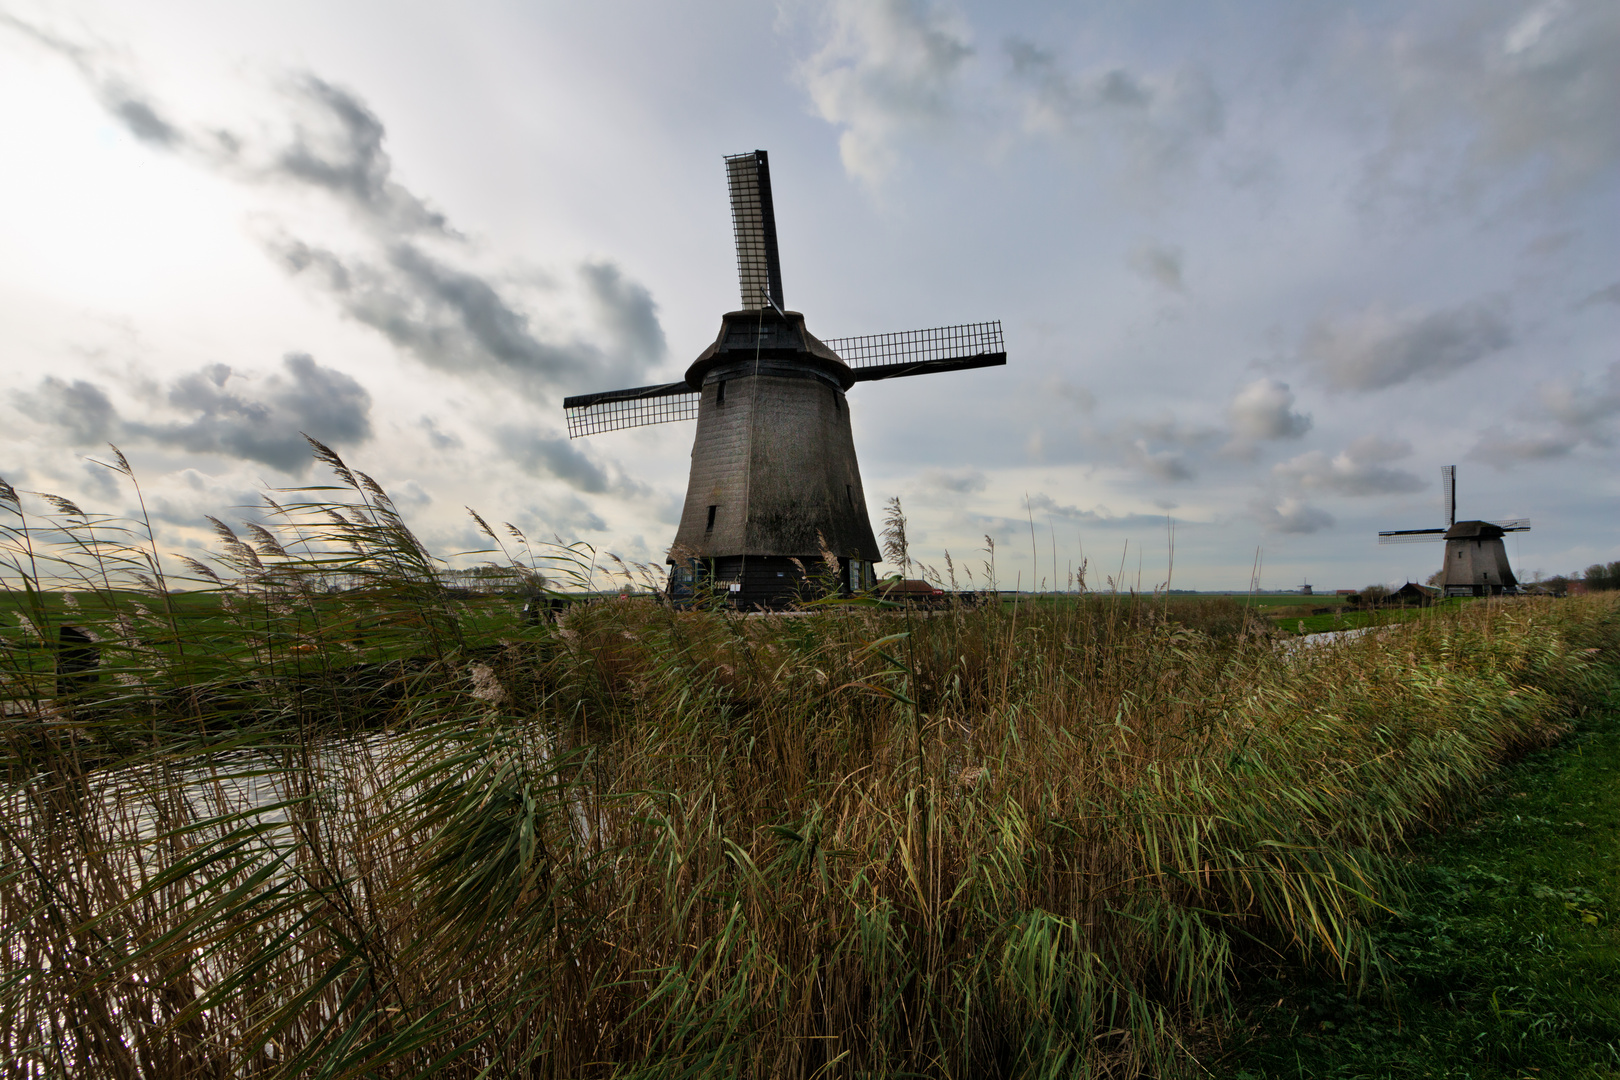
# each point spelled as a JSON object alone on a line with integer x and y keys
{"x": 753, "y": 222}
{"x": 1411, "y": 536}
{"x": 639, "y": 406}
{"x": 922, "y": 352}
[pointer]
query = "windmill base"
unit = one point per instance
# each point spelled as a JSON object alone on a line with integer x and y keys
{"x": 766, "y": 582}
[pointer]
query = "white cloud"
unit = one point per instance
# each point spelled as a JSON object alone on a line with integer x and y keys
{"x": 1290, "y": 515}
{"x": 1358, "y": 470}
{"x": 887, "y": 68}
{"x": 1157, "y": 123}
{"x": 1264, "y": 409}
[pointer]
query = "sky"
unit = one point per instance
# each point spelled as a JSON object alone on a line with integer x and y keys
{"x": 1262, "y": 268}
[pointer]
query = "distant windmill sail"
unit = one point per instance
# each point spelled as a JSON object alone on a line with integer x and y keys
{"x": 753, "y": 221}
{"x": 1448, "y": 481}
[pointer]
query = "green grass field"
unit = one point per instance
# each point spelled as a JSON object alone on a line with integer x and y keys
{"x": 1505, "y": 957}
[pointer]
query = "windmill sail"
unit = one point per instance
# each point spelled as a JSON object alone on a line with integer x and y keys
{"x": 922, "y": 352}
{"x": 1410, "y": 536}
{"x": 1448, "y": 483}
{"x": 753, "y": 222}
{"x": 591, "y": 414}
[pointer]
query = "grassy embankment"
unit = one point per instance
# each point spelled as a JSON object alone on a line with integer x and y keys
{"x": 1506, "y": 953}
{"x": 986, "y": 843}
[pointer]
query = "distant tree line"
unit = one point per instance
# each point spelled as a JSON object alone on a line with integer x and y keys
{"x": 1598, "y": 578}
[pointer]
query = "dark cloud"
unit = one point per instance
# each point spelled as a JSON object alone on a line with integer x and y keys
{"x": 960, "y": 481}
{"x": 1378, "y": 348}
{"x": 626, "y": 312}
{"x": 1043, "y": 504}
{"x": 117, "y": 94}
{"x": 264, "y": 421}
{"x": 1609, "y": 295}
{"x": 1161, "y": 265}
{"x": 457, "y": 321}
{"x": 338, "y": 146}
{"x": 1358, "y": 470}
{"x": 139, "y": 116}
{"x": 1160, "y": 123}
{"x": 553, "y": 455}
{"x": 1563, "y": 415}
{"x": 445, "y": 314}
{"x": 1290, "y": 515}
{"x": 81, "y": 408}
{"x": 1515, "y": 92}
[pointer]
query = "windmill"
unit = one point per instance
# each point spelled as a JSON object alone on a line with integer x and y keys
{"x": 1476, "y": 562}
{"x": 774, "y": 486}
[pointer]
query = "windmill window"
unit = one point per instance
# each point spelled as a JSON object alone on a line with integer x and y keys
{"x": 710, "y": 526}
{"x": 720, "y": 393}
{"x": 849, "y": 495}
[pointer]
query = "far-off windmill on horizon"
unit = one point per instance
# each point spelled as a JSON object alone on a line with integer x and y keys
{"x": 775, "y": 486}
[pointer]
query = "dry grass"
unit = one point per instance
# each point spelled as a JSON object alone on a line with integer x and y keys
{"x": 1030, "y": 842}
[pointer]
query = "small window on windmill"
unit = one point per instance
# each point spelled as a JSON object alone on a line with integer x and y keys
{"x": 849, "y": 494}
{"x": 720, "y": 392}
{"x": 710, "y": 526}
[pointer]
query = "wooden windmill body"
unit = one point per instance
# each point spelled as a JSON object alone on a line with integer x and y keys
{"x": 774, "y": 495}
{"x": 1476, "y": 562}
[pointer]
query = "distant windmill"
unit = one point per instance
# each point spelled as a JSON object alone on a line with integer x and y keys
{"x": 1476, "y": 559}
{"x": 774, "y": 481}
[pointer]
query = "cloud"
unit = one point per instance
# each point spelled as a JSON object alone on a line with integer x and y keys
{"x": 457, "y": 321}
{"x": 1263, "y": 409}
{"x": 337, "y": 145}
{"x": 437, "y": 436}
{"x": 626, "y": 312}
{"x": 187, "y": 496}
{"x": 1607, "y": 295}
{"x": 1378, "y": 348}
{"x": 1101, "y": 516}
{"x": 1290, "y": 515}
{"x": 553, "y": 455}
{"x": 1358, "y": 470}
{"x": 1525, "y": 92}
{"x": 1503, "y": 449}
{"x": 1159, "y": 264}
{"x": 886, "y": 68}
{"x": 1563, "y": 415}
{"x": 436, "y": 307}
{"x": 1158, "y": 122}
{"x": 81, "y": 408}
{"x": 1167, "y": 465}
{"x": 264, "y": 421}
{"x": 1079, "y": 396}
{"x": 960, "y": 481}
{"x": 122, "y": 99}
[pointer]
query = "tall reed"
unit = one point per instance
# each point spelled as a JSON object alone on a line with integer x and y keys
{"x": 390, "y": 830}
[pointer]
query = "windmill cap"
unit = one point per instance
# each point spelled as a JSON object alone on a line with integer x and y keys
{"x": 779, "y": 341}
{"x": 1475, "y": 530}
